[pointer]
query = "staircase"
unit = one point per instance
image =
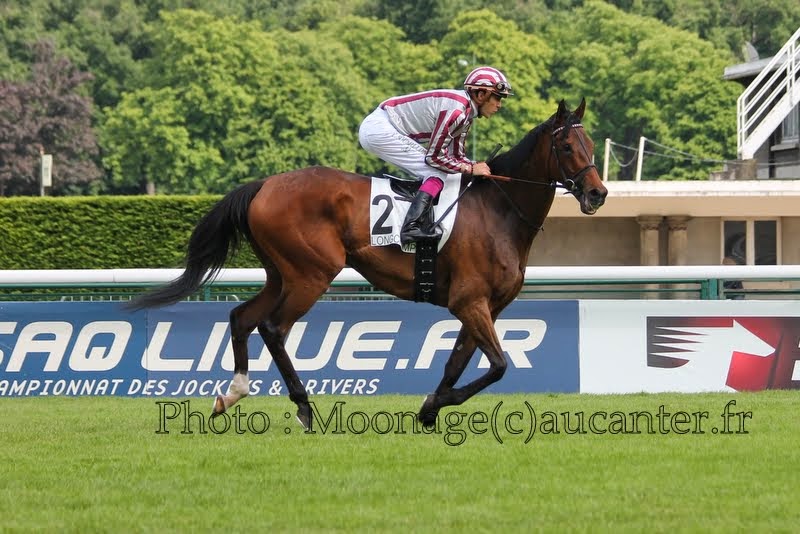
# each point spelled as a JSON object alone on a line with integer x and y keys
{"x": 762, "y": 107}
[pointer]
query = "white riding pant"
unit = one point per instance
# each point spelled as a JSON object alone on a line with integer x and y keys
{"x": 378, "y": 137}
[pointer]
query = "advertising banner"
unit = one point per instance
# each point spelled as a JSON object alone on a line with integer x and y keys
{"x": 689, "y": 346}
{"x": 357, "y": 348}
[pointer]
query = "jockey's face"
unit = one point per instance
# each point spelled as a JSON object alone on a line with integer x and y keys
{"x": 488, "y": 103}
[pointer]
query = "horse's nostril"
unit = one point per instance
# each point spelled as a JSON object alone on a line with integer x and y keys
{"x": 597, "y": 195}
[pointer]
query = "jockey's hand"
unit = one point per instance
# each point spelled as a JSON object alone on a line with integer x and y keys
{"x": 481, "y": 169}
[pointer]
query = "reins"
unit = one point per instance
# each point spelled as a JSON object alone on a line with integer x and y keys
{"x": 569, "y": 184}
{"x": 516, "y": 208}
{"x": 498, "y": 178}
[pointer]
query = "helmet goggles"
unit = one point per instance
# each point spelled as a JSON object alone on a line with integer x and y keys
{"x": 490, "y": 79}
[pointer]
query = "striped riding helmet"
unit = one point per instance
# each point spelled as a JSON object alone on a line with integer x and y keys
{"x": 488, "y": 78}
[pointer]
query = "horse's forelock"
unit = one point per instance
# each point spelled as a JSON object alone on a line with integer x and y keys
{"x": 571, "y": 120}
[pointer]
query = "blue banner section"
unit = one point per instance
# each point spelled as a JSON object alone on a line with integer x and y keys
{"x": 353, "y": 348}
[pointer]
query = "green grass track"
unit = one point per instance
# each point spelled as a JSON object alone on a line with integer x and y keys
{"x": 678, "y": 464}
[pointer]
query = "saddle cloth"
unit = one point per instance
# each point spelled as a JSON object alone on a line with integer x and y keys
{"x": 387, "y": 211}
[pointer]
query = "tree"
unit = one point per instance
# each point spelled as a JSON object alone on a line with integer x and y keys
{"x": 394, "y": 66}
{"x": 642, "y": 78}
{"x": 383, "y": 64}
{"x": 226, "y": 102}
{"x": 106, "y": 38}
{"x": 728, "y": 24}
{"x": 168, "y": 134}
{"x": 523, "y": 58}
{"x": 383, "y": 56}
{"x": 332, "y": 99}
{"x": 103, "y": 37}
{"x": 424, "y": 21}
{"x": 46, "y": 114}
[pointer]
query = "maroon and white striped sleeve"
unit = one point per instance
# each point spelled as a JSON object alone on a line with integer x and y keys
{"x": 446, "y": 152}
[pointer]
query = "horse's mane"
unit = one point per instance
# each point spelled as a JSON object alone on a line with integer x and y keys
{"x": 511, "y": 160}
{"x": 506, "y": 163}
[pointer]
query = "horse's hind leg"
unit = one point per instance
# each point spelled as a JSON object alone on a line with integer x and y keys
{"x": 274, "y": 340}
{"x": 243, "y": 320}
{"x": 296, "y": 300}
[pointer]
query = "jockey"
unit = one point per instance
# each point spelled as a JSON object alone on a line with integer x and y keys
{"x": 440, "y": 119}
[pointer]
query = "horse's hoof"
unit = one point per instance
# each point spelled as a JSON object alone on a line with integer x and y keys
{"x": 304, "y": 416}
{"x": 428, "y": 419}
{"x": 219, "y": 406}
{"x": 429, "y": 412}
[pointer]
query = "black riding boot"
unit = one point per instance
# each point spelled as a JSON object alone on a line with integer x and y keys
{"x": 419, "y": 220}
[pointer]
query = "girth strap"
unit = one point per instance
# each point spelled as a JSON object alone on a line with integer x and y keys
{"x": 425, "y": 270}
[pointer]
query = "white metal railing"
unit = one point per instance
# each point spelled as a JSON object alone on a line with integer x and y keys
{"x": 769, "y": 98}
{"x": 532, "y": 274}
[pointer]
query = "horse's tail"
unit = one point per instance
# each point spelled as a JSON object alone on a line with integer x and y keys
{"x": 215, "y": 238}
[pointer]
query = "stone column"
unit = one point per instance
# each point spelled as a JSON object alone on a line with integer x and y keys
{"x": 649, "y": 247}
{"x": 678, "y": 249}
{"x": 678, "y": 244}
{"x": 649, "y": 226}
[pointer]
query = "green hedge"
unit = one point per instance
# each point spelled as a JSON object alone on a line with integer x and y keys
{"x": 102, "y": 232}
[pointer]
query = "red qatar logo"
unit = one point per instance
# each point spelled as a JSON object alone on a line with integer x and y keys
{"x": 742, "y": 353}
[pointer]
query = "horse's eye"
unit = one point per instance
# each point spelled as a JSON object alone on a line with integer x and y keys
{"x": 567, "y": 148}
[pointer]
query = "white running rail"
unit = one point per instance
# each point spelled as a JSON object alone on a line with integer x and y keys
{"x": 532, "y": 274}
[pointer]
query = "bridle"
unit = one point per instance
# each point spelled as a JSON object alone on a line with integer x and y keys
{"x": 574, "y": 183}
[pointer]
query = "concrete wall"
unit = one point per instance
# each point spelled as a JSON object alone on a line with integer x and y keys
{"x": 784, "y": 161}
{"x": 762, "y": 156}
{"x": 790, "y": 244}
{"x": 586, "y": 241}
{"x": 704, "y": 235}
{"x": 615, "y": 241}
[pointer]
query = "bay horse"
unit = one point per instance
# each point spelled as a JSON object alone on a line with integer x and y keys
{"x": 306, "y": 225}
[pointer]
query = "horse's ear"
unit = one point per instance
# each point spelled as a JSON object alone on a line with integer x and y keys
{"x": 562, "y": 109}
{"x": 581, "y": 108}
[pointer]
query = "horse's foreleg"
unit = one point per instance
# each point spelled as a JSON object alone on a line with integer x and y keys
{"x": 478, "y": 326}
{"x": 459, "y": 359}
